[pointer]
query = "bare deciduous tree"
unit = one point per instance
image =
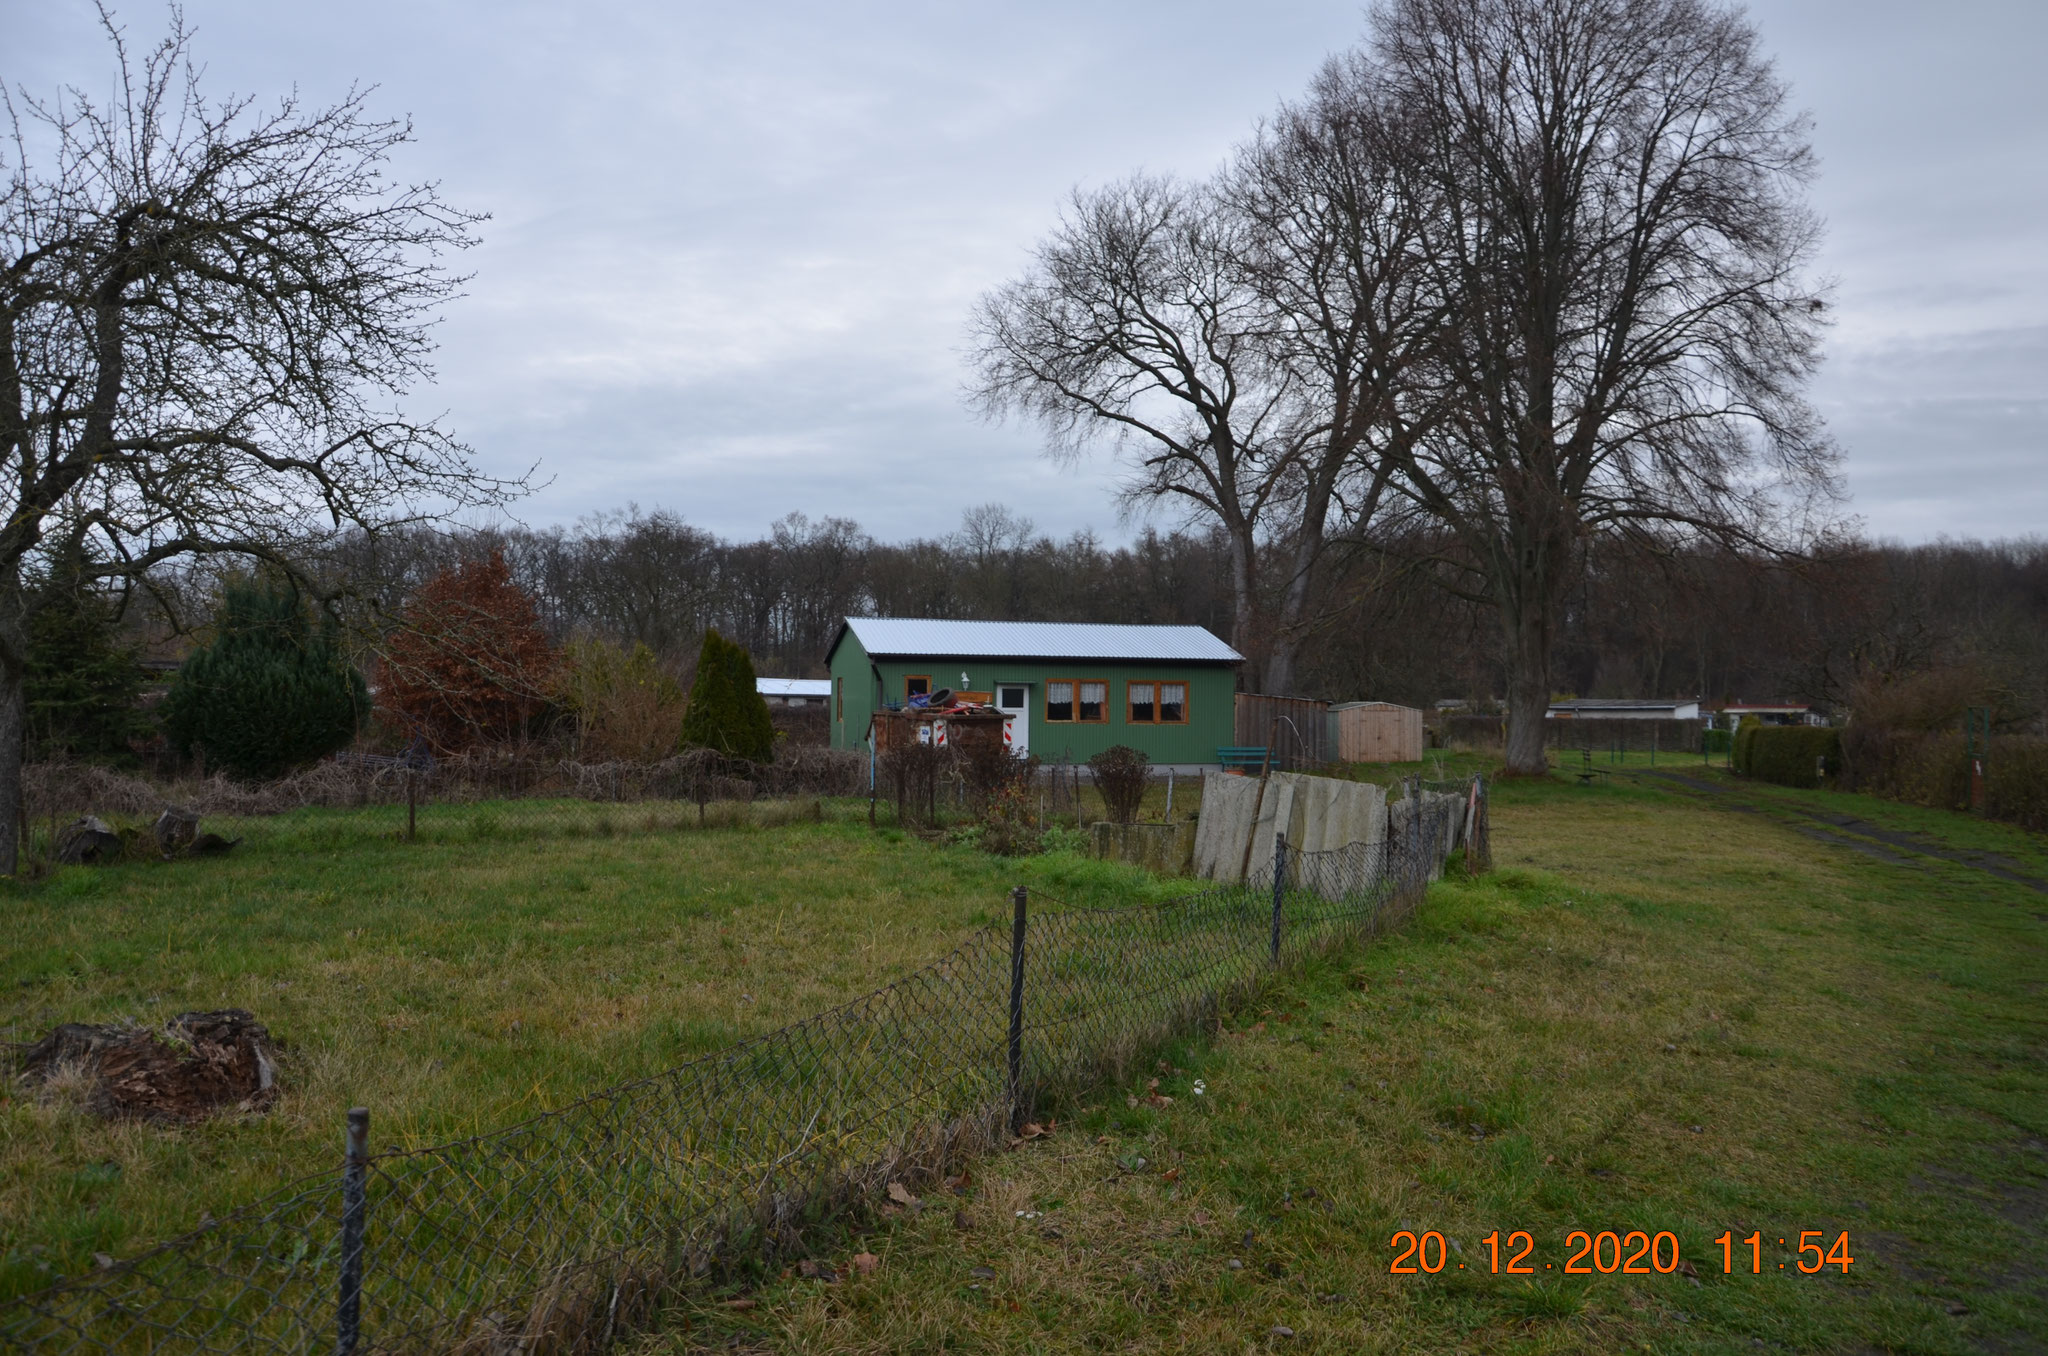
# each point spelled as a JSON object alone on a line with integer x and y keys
{"x": 1622, "y": 238}
{"x": 1137, "y": 321}
{"x": 1332, "y": 229}
{"x": 201, "y": 305}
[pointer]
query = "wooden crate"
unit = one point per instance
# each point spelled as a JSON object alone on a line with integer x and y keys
{"x": 964, "y": 731}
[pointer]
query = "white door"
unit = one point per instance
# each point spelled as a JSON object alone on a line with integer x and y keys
{"x": 1014, "y": 701}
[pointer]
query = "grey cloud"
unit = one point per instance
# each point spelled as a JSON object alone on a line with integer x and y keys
{"x": 733, "y": 247}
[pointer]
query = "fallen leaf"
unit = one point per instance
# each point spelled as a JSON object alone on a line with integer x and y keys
{"x": 900, "y": 1194}
{"x": 960, "y": 1183}
{"x": 1201, "y": 1219}
{"x": 739, "y": 1304}
{"x": 1031, "y": 1130}
{"x": 983, "y": 1273}
{"x": 1159, "y": 1099}
{"x": 817, "y": 1271}
{"x": 1170, "y": 1175}
{"x": 962, "y": 1221}
{"x": 864, "y": 1263}
{"x": 1257, "y": 1026}
{"x": 1131, "y": 1102}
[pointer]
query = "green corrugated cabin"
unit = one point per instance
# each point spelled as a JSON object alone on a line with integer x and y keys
{"x": 1068, "y": 690}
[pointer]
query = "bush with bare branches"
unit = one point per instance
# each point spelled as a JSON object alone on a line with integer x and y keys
{"x": 1121, "y": 773}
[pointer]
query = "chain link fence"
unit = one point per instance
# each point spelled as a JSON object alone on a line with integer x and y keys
{"x": 559, "y": 1233}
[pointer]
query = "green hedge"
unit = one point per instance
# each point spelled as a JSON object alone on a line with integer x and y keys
{"x": 1789, "y": 755}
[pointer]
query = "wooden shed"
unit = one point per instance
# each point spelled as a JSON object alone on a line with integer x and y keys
{"x": 1377, "y": 732}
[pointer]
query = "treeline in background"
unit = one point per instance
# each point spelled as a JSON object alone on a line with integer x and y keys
{"x": 588, "y": 637}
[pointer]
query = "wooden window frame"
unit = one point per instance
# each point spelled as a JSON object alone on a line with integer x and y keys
{"x": 1102, "y": 719}
{"x": 1187, "y": 690}
{"x": 1187, "y": 701}
{"x": 1131, "y": 702}
{"x": 1077, "y": 718}
{"x": 910, "y": 678}
{"x": 1073, "y": 702}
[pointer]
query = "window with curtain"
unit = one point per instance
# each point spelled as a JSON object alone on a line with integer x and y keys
{"x": 1156, "y": 703}
{"x": 1173, "y": 703}
{"x": 1143, "y": 703}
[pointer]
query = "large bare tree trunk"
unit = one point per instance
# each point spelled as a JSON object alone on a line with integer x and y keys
{"x": 1244, "y": 621}
{"x": 1528, "y": 637}
{"x": 13, "y": 742}
{"x": 1285, "y": 648}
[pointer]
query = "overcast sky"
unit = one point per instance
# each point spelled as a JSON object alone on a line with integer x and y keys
{"x": 733, "y": 247}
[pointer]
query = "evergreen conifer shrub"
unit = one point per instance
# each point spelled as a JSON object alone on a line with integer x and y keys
{"x": 270, "y": 692}
{"x": 83, "y": 680}
{"x": 726, "y": 711}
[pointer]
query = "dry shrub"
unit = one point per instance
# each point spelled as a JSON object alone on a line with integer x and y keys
{"x": 1009, "y": 827}
{"x": 1929, "y": 701}
{"x": 1903, "y": 740}
{"x": 2016, "y": 782}
{"x": 64, "y": 791}
{"x": 911, "y": 774}
{"x": 810, "y": 725}
{"x": 628, "y": 707}
{"x": 1121, "y": 774}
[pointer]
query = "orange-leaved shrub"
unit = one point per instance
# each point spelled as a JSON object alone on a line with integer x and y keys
{"x": 468, "y": 663}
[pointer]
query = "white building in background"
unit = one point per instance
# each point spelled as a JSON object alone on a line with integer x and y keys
{"x": 794, "y": 691}
{"x": 1623, "y": 708}
{"x": 1769, "y": 713}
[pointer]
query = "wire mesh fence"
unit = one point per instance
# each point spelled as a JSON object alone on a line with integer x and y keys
{"x": 563, "y": 1231}
{"x": 81, "y": 813}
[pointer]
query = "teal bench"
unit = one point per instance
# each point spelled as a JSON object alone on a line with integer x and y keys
{"x": 1243, "y": 758}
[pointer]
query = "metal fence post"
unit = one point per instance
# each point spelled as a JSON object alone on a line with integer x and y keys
{"x": 1279, "y": 886}
{"x": 1014, "y": 1086}
{"x": 354, "y": 1209}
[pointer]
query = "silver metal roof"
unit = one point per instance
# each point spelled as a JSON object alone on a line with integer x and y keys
{"x": 793, "y": 687}
{"x": 1036, "y": 640}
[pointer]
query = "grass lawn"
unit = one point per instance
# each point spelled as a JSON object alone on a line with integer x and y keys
{"x": 454, "y": 985}
{"x": 1656, "y": 1015}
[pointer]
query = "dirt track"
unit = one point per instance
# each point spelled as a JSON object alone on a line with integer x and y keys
{"x": 1858, "y": 835}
